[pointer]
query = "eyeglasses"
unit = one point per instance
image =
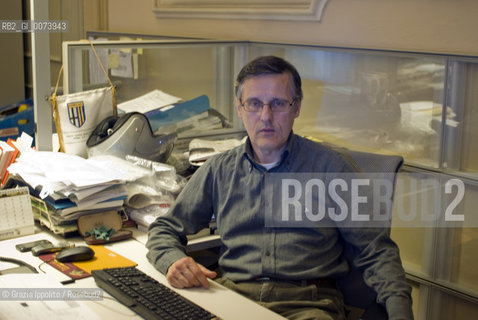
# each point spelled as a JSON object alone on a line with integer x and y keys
{"x": 276, "y": 105}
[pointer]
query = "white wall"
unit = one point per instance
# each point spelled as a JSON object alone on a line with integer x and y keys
{"x": 447, "y": 26}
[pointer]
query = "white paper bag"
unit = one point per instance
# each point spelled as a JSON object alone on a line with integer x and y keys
{"x": 78, "y": 114}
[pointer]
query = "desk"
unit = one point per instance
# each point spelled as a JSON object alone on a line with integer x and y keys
{"x": 195, "y": 243}
{"x": 224, "y": 303}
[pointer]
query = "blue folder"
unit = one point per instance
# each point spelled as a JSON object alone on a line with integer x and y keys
{"x": 181, "y": 111}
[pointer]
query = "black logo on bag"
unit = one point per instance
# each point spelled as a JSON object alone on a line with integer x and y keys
{"x": 76, "y": 113}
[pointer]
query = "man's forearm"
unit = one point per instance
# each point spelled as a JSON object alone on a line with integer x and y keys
{"x": 399, "y": 308}
{"x": 164, "y": 246}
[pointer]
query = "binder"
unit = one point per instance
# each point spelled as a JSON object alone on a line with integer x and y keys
{"x": 179, "y": 112}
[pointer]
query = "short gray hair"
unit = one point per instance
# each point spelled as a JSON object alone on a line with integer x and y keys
{"x": 269, "y": 65}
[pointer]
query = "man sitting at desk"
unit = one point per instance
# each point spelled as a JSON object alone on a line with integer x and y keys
{"x": 292, "y": 271}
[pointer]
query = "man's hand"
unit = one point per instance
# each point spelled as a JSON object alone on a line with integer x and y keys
{"x": 186, "y": 273}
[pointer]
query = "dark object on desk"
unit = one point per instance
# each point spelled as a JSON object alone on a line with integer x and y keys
{"x": 23, "y": 267}
{"x": 129, "y": 134}
{"x": 28, "y": 246}
{"x": 68, "y": 268}
{"x": 80, "y": 253}
{"x": 49, "y": 248}
{"x": 146, "y": 296}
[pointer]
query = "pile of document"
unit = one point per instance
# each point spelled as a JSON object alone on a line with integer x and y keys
{"x": 150, "y": 197}
{"x": 167, "y": 113}
{"x": 72, "y": 186}
{"x": 67, "y": 186}
{"x": 201, "y": 149}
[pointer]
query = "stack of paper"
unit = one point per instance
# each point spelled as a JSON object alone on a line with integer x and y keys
{"x": 146, "y": 215}
{"x": 200, "y": 149}
{"x": 72, "y": 186}
{"x": 167, "y": 113}
{"x": 155, "y": 99}
{"x": 66, "y": 209}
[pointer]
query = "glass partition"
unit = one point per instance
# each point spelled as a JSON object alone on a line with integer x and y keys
{"x": 184, "y": 70}
{"x": 445, "y": 306}
{"x": 369, "y": 100}
{"x": 460, "y": 152}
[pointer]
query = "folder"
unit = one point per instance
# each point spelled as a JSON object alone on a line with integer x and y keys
{"x": 179, "y": 112}
{"x": 104, "y": 258}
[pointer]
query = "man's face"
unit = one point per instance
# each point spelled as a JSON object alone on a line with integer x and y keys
{"x": 267, "y": 130}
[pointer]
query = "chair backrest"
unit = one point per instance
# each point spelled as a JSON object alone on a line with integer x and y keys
{"x": 356, "y": 293}
{"x": 371, "y": 162}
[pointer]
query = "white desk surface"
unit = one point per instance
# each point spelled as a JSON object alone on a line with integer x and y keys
{"x": 222, "y": 302}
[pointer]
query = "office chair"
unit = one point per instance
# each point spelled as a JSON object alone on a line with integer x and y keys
{"x": 359, "y": 298}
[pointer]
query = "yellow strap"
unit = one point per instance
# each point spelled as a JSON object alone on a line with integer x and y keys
{"x": 57, "y": 82}
{"x": 54, "y": 103}
{"x": 99, "y": 61}
{"x": 56, "y": 116}
{"x": 113, "y": 89}
{"x": 102, "y": 68}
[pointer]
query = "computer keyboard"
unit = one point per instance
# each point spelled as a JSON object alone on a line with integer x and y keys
{"x": 146, "y": 296}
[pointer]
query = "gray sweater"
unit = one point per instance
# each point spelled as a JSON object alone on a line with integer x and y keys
{"x": 231, "y": 187}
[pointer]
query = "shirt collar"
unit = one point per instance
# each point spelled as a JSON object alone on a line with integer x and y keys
{"x": 285, "y": 157}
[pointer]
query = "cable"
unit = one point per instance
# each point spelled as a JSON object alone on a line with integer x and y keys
{"x": 64, "y": 282}
{"x": 41, "y": 264}
{"x": 18, "y": 262}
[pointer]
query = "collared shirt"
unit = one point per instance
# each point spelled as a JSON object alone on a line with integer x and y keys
{"x": 231, "y": 187}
